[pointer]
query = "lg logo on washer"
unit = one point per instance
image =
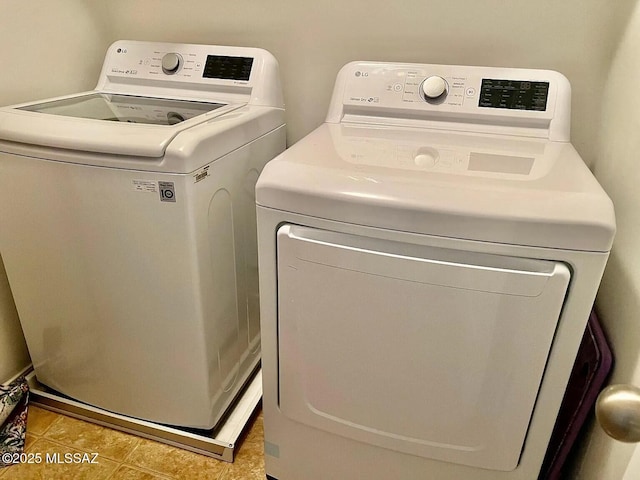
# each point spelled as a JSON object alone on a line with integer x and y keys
{"x": 167, "y": 191}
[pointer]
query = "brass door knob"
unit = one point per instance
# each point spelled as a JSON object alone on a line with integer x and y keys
{"x": 618, "y": 412}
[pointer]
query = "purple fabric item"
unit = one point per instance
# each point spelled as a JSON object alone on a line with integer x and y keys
{"x": 593, "y": 364}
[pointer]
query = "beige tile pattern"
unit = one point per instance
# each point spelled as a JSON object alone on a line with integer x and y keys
{"x": 126, "y": 457}
{"x": 173, "y": 462}
{"x": 88, "y": 437}
{"x": 39, "y": 420}
{"x": 29, "y": 441}
{"x": 56, "y": 467}
{"x": 126, "y": 472}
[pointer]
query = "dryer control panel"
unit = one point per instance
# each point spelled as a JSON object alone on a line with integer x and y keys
{"x": 482, "y": 99}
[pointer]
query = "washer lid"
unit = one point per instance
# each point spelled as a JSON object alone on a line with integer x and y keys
{"x": 124, "y": 108}
{"x": 106, "y": 123}
{"x": 494, "y": 188}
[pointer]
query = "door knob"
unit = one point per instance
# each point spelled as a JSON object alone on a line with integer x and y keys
{"x": 618, "y": 412}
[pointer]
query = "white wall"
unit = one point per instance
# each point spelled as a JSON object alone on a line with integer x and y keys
{"x": 618, "y": 169}
{"x": 49, "y": 48}
{"x": 46, "y": 48}
{"x": 13, "y": 351}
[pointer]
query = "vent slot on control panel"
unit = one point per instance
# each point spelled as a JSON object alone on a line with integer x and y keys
{"x": 478, "y": 122}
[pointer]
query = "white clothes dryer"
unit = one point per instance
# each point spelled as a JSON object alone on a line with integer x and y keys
{"x": 428, "y": 260}
{"x": 128, "y": 228}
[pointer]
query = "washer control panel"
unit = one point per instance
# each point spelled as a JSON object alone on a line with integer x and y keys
{"x": 182, "y": 62}
{"x": 190, "y": 71}
{"x": 471, "y": 96}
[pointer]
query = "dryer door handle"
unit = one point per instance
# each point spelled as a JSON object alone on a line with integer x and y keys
{"x": 618, "y": 412}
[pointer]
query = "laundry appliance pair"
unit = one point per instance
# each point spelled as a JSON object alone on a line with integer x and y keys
{"x": 428, "y": 257}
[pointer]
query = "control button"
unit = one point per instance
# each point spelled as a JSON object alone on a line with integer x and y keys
{"x": 426, "y": 158}
{"x": 397, "y": 87}
{"x": 171, "y": 63}
{"x": 434, "y": 88}
{"x": 470, "y": 92}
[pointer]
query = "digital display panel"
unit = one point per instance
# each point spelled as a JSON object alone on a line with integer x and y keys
{"x": 514, "y": 94}
{"x": 228, "y": 68}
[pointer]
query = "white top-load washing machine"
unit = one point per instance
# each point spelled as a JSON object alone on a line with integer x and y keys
{"x": 128, "y": 228}
{"x": 428, "y": 261}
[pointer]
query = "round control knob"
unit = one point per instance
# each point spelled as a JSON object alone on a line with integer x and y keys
{"x": 434, "y": 88}
{"x": 171, "y": 63}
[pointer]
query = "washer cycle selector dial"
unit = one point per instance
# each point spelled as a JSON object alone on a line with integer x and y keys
{"x": 171, "y": 63}
{"x": 434, "y": 89}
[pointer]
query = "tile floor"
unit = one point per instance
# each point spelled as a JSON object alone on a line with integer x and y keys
{"x": 125, "y": 457}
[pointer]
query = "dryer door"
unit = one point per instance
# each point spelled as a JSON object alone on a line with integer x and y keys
{"x": 428, "y": 351}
